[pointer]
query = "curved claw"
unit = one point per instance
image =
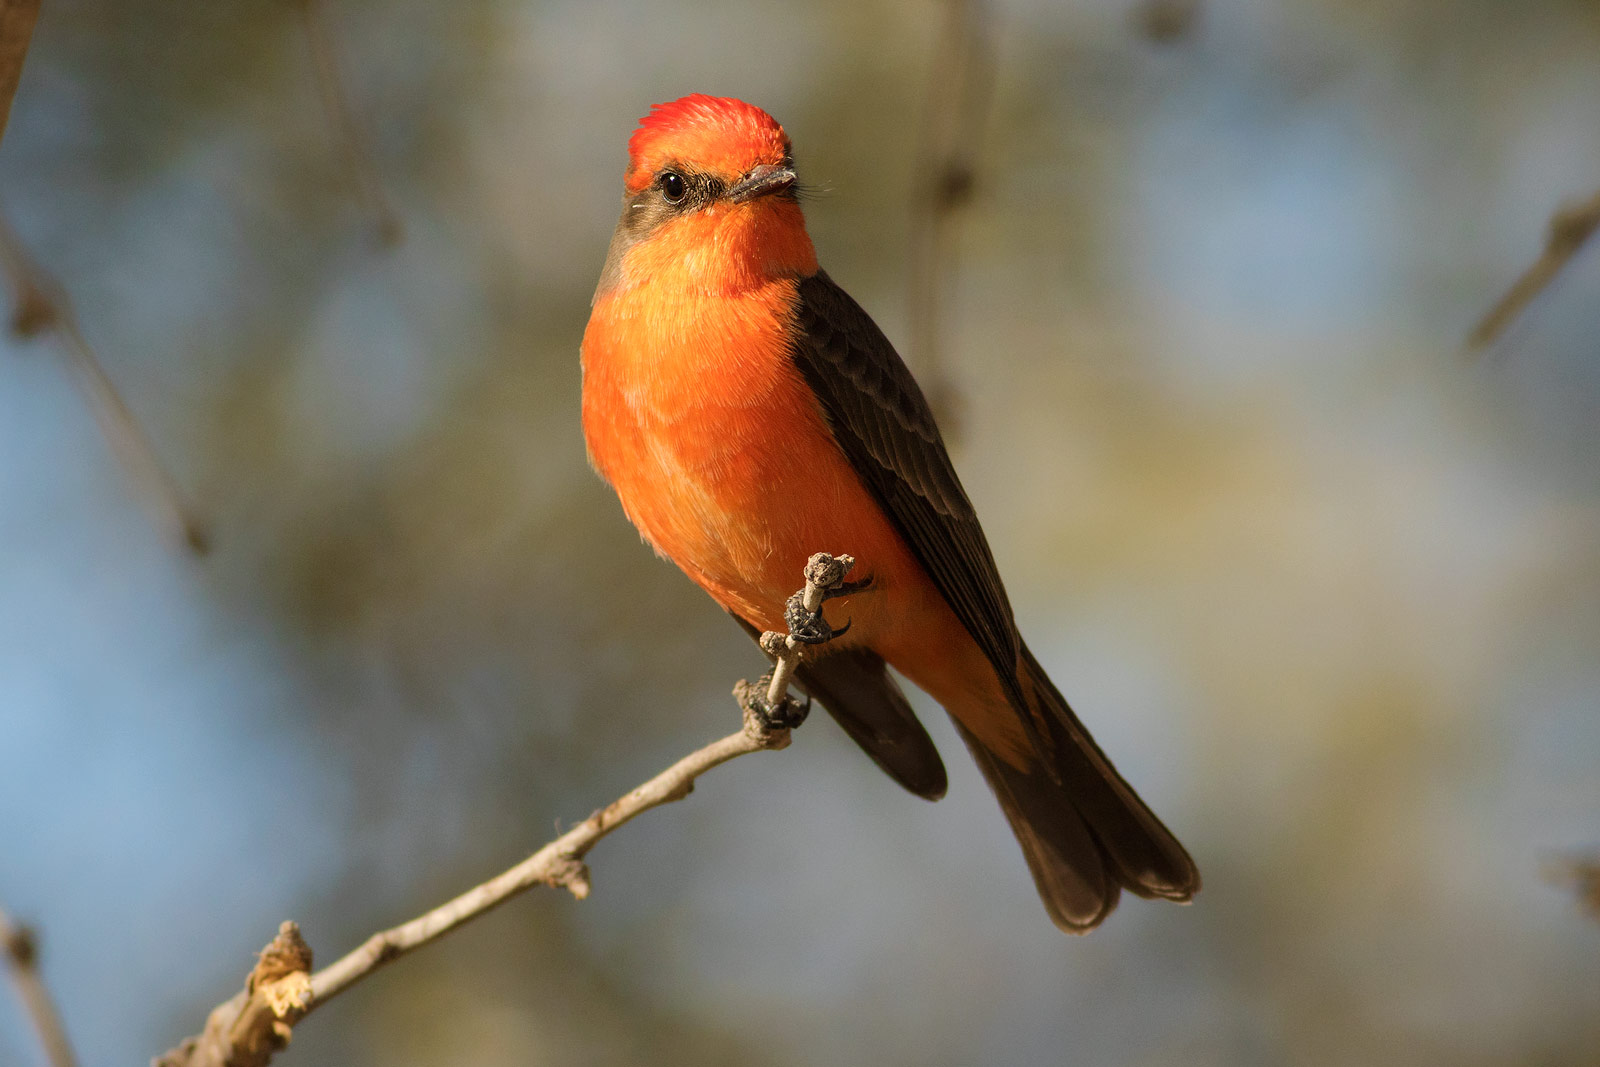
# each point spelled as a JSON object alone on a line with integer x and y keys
{"x": 847, "y": 588}
{"x": 807, "y": 627}
{"x": 814, "y": 635}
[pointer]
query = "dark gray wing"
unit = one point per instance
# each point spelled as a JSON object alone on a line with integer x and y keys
{"x": 882, "y": 422}
{"x": 1083, "y": 829}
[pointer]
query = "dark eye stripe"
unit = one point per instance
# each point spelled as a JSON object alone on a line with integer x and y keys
{"x": 678, "y": 190}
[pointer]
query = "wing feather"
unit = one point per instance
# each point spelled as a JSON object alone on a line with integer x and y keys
{"x": 881, "y": 420}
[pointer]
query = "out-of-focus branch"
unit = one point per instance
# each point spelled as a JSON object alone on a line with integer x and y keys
{"x": 42, "y": 307}
{"x": 960, "y": 85}
{"x": 16, "y": 30}
{"x": 246, "y": 1030}
{"x": 346, "y": 127}
{"x": 1569, "y": 229}
{"x": 22, "y": 953}
{"x": 1580, "y": 875}
{"x": 1166, "y": 21}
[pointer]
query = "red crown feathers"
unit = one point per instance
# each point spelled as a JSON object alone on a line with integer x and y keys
{"x": 713, "y": 133}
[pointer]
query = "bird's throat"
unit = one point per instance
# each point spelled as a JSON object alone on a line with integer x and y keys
{"x": 726, "y": 249}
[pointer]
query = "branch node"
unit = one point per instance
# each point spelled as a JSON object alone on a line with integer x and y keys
{"x": 284, "y": 955}
{"x": 572, "y": 874}
{"x": 352, "y": 134}
{"x": 1579, "y": 875}
{"x": 954, "y": 185}
{"x": 247, "y": 1030}
{"x": 1569, "y": 229}
{"x": 1571, "y": 226}
{"x": 758, "y": 726}
{"x": 826, "y": 571}
{"x": 21, "y": 951}
{"x": 34, "y": 313}
{"x": 947, "y": 175}
{"x": 1166, "y": 21}
{"x": 21, "y": 945}
{"x": 381, "y": 948}
{"x": 41, "y": 306}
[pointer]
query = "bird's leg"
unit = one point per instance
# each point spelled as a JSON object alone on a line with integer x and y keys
{"x": 768, "y": 702}
{"x": 802, "y": 613}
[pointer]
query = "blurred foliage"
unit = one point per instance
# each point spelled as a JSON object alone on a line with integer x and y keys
{"x": 1328, "y": 593}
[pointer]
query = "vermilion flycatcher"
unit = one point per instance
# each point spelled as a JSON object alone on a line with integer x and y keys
{"x": 749, "y": 413}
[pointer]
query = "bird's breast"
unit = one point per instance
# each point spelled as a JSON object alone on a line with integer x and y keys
{"x": 695, "y": 413}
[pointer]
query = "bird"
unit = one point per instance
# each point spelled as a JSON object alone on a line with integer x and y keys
{"x": 748, "y": 413}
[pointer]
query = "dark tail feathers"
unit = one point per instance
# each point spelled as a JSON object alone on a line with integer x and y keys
{"x": 1085, "y": 832}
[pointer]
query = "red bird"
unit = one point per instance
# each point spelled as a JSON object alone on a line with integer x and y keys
{"x": 748, "y": 413}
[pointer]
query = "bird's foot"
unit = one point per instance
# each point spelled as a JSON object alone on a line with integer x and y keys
{"x": 770, "y": 712}
{"x": 786, "y": 714}
{"x": 809, "y": 627}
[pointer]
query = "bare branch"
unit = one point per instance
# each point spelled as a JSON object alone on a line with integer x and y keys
{"x": 253, "y": 1020}
{"x": 42, "y": 307}
{"x": 558, "y": 864}
{"x": 346, "y": 127}
{"x": 1570, "y": 228}
{"x": 248, "y": 1029}
{"x": 16, "y": 30}
{"x": 22, "y": 953}
{"x": 959, "y": 89}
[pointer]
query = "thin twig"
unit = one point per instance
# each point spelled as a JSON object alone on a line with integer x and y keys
{"x": 1568, "y": 231}
{"x": 559, "y": 864}
{"x": 42, "y": 307}
{"x": 246, "y": 1030}
{"x": 22, "y": 953}
{"x": 347, "y": 128}
{"x": 16, "y": 30}
{"x": 959, "y": 89}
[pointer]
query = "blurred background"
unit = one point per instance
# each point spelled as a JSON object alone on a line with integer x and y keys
{"x": 1326, "y": 588}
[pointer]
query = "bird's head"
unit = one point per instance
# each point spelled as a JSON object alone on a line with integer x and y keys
{"x": 709, "y": 194}
{"x": 701, "y": 149}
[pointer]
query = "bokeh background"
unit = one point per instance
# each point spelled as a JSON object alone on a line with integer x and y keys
{"x": 1326, "y": 589}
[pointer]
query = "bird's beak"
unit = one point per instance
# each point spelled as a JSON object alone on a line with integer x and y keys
{"x": 759, "y": 182}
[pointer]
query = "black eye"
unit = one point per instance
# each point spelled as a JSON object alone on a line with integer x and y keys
{"x": 673, "y": 188}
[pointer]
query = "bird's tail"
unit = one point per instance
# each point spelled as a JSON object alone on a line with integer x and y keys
{"x": 1085, "y": 832}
